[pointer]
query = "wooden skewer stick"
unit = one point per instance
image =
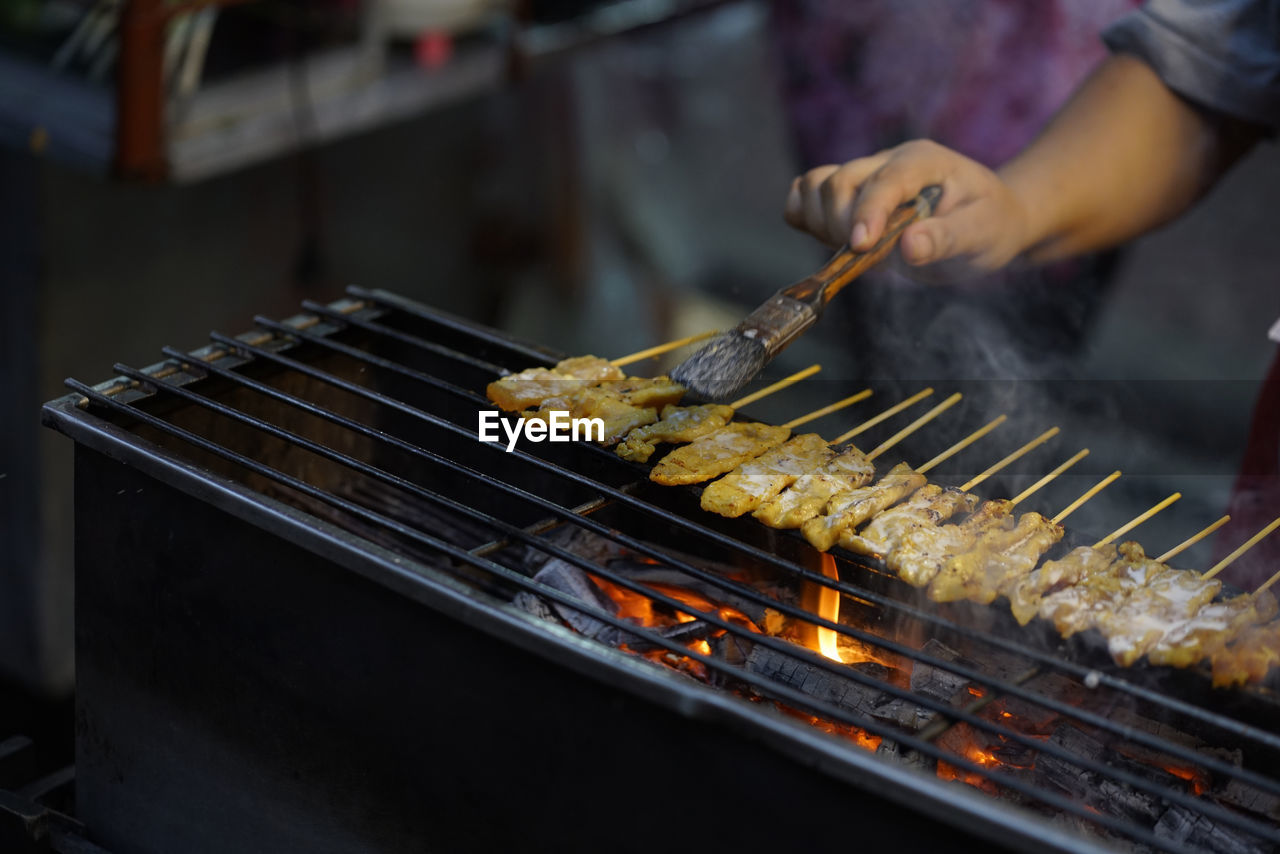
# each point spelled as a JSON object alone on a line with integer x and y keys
{"x": 1033, "y": 488}
{"x": 1270, "y": 581}
{"x": 962, "y": 444}
{"x": 1034, "y": 443}
{"x": 1244, "y": 547}
{"x": 915, "y": 425}
{"x": 888, "y": 413}
{"x": 660, "y": 349}
{"x": 778, "y": 386}
{"x": 1088, "y": 494}
{"x": 1191, "y": 541}
{"x": 1138, "y": 520}
{"x": 828, "y": 409}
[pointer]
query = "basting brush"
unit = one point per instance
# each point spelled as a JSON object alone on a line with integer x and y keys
{"x": 732, "y": 359}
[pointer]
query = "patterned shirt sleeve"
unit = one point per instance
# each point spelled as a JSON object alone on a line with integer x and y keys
{"x": 1221, "y": 54}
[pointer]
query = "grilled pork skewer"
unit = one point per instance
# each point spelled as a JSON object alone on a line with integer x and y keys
{"x": 1141, "y": 621}
{"x": 1207, "y": 633}
{"x": 1249, "y": 657}
{"x": 922, "y": 553}
{"x": 850, "y": 509}
{"x": 754, "y": 481}
{"x": 850, "y": 470}
{"x": 530, "y": 387}
{"x": 1100, "y": 591}
{"x": 925, "y": 510}
{"x": 682, "y": 424}
{"x": 995, "y": 562}
{"x": 846, "y": 511}
{"x": 678, "y": 424}
{"x": 753, "y": 484}
{"x": 716, "y": 453}
{"x": 917, "y": 546}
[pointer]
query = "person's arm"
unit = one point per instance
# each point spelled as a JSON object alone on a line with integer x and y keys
{"x": 1123, "y": 156}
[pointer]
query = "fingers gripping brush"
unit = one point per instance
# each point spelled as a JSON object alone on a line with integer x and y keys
{"x": 732, "y": 359}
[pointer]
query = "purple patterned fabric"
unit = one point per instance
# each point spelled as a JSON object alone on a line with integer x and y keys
{"x": 980, "y": 76}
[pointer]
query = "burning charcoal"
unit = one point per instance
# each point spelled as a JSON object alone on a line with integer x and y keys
{"x": 1022, "y": 715}
{"x": 1129, "y": 718}
{"x": 569, "y": 579}
{"x": 734, "y": 649}
{"x": 933, "y": 681}
{"x": 1066, "y": 775}
{"x": 535, "y": 605}
{"x": 656, "y": 574}
{"x": 892, "y": 750}
{"x": 819, "y": 684}
{"x": 904, "y": 713}
{"x": 1246, "y": 797}
{"x": 1099, "y": 792}
{"x": 684, "y": 633}
{"x": 1198, "y": 832}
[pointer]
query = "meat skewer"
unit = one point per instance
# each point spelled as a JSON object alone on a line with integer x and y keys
{"x": 1143, "y": 607}
{"x": 1182, "y": 626}
{"x": 516, "y": 392}
{"x": 926, "y": 508}
{"x": 682, "y": 424}
{"x": 1002, "y": 555}
{"x": 921, "y": 556}
{"x": 717, "y": 453}
{"x": 848, "y": 469}
{"x": 1253, "y": 648}
{"x": 847, "y": 511}
{"x": 753, "y": 483}
{"x": 900, "y": 482}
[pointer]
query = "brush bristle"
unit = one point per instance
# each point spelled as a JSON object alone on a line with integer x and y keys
{"x": 723, "y": 366}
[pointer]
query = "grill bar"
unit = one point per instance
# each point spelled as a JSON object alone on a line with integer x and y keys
{"x": 572, "y": 516}
{"x": 403, "y": 337}
{"x": 967, "y": 716}
{"x": 795, "y": 697}
{"x": 1226, "y": 724}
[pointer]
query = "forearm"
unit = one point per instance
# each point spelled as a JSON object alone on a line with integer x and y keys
{"x": 1125, "y": 155}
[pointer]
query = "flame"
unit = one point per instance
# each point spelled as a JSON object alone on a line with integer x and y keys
{"x": 829, "y": 609}
{"x": 1193, "y": 776}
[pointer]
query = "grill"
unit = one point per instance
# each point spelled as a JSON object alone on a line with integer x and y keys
{"x": 314, "y": 612}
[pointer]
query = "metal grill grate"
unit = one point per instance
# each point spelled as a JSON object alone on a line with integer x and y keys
{"x": 377, "y": 390}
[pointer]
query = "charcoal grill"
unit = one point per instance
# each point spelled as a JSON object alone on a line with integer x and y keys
{"x": 299, "y": 627}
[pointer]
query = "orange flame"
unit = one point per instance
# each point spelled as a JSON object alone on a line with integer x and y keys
{"x": 829, "y": 609}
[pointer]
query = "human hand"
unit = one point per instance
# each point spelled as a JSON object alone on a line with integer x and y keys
{"x": 978, "y": 226}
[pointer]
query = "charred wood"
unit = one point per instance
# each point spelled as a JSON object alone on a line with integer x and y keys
{"x": 1196, "y": 831}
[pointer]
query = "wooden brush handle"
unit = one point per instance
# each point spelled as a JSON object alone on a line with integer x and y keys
{"x": 847, "y": 265}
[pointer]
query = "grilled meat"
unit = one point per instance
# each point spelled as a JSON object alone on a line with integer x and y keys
{"x": 1140, "y": 622}
{"x": 619, "y": 417}
{"x": 1025, "y": 596}
{"x": 925, "y": 510}
{"x": 996, "y": 561}
{"x": 1209, "y": 630}
{"x": 1099, "y": 592}
{"x": 808, "y": 496}
{"x": 923, "y": 552}
{"x": 850, "y": 509}
{"x": 756, "y": 481}
{"x": 1249, "y": 656}
{"x": 714, "y": 454}
{"x": 531, "y": 387}
{"x": 678, "y": 424}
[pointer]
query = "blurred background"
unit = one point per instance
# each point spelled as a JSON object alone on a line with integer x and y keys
{"x": 596, "y": 177}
